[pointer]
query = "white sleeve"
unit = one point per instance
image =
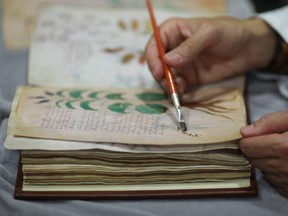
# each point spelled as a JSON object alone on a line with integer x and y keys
{"x": 277, "y": 19}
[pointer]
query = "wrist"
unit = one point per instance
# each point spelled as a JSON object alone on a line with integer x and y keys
{"x": 262, "y": 43}
{"x": 279, "y": 61}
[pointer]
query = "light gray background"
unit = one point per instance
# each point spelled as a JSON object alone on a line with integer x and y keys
{"x": 263, "y": 98}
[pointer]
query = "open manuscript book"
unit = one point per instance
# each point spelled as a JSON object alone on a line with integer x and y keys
{"x": 95, "y": 125}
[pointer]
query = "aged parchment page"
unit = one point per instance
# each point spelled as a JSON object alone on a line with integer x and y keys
{"x": 128, "y": 116}
{"x": 80, "y": 46}
{"x": 19, "y": 15}
{"x": 26, "y": 143}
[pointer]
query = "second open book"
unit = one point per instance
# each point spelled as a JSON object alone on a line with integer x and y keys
{"x": 77, "y": 134}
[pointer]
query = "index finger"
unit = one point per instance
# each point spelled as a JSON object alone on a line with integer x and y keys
{"x": 265, "y": 146}
{"x": 153, "y": 59}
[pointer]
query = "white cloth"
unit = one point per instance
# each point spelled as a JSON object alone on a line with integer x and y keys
{"x": 278, "y": 20}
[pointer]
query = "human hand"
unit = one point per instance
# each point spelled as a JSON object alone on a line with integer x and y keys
{"x": 266, "y": 144}
{"x": 210, "y": 49}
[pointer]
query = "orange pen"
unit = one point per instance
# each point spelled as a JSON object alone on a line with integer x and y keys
{"x": 168, "y": 74}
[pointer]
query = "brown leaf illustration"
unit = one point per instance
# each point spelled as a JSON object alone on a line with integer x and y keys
{"x": 211, "y": 106}
{"x": 142, "y": 58}
{"x": 122, "y": 25}
{"x": 127, "y": 58}
{"x": 135, "y": 25}
{"x": 113, "y": 50}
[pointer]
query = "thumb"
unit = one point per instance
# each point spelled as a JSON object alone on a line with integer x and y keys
{"x": 268, "y": 124}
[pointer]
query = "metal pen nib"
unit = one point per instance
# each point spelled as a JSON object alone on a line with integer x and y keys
{"x": 176, "y": 104}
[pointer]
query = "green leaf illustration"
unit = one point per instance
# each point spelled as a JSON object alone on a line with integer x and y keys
{"x": 115, "y": 96}
{"x": 60, "y": 93}
{"x": 119, "y": 107}
{"x": 77, "y": 94}
{"x": 151, "y": 109}
{"x": 69, "y": 104}
{"x": 43, "y": 101}
{"x": 93, "y": 95}
{"x": 151, "y": 96}
{"x": 38, "y": 97}
{"x": 49, "y": 93}
{"x": 58, "y": 103}
{"x": 86, "y": 106}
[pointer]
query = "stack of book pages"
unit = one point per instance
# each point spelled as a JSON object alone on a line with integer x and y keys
{"x": 122, "y": 171}
{"x": 127, "y": 141}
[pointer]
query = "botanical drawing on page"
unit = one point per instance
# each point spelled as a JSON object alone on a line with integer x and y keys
{"x": 133, "y": 116}
{"x": 74, "y": 43}
{"x": 19, "y": 15}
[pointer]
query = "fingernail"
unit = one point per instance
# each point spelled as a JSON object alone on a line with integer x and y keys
{"x": 174, "y": 57}
{"x": 248, "y": 129}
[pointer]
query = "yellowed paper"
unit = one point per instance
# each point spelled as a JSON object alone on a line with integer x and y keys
{"x": 84, "y": 46}
{"x": 81, "y": 45}
{"x": 26, "y": 143}
{"x": 236, "y": 183}
{"x": 19, "y": 15}
{"x": 128, "y": 116}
